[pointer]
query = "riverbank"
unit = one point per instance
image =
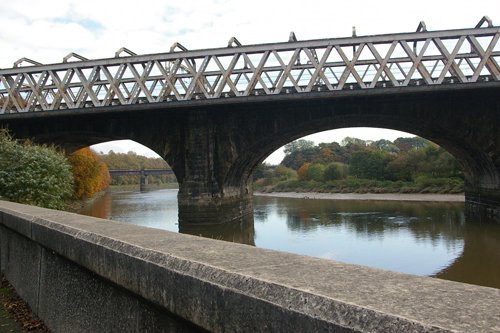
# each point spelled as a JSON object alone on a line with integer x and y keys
{"x": 367, "y": 196}
{"x": 422, "y": 185}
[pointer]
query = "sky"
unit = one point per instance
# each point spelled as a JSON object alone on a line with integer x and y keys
{"x": 46, "y": 31}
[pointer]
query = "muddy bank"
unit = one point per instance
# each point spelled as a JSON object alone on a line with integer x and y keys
{"x": 367, "y": 196}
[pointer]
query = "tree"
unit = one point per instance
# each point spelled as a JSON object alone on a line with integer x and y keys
{"x": 406, "y": 144}
{"x": 353, "y": 142}
{"x": 370, "y": 164}
{"x": 89, "y": 173}
{"x": 385, "y": 145}
{"x": 34, "y": 175}
{"x": 302, "y": 171}
{"x": 298, "y": 145}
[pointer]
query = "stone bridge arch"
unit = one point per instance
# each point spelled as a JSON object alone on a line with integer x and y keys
{"x": 464, "y": 122}
{"x": 214, "y": 147}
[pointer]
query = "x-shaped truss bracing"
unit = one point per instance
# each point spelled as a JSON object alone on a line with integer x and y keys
{"x": 374, "y": 62}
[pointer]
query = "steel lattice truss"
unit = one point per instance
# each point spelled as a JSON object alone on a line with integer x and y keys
{"x": 373, "y": 62}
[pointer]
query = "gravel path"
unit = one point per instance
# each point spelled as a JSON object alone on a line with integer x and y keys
{"x": 367, "y": 196}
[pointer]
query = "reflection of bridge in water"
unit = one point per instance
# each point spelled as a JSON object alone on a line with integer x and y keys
{"x": 478, "y": 263}
{"x": 143, "y": 173}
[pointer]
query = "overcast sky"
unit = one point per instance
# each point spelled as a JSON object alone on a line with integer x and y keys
{"x": 46, "y": 31}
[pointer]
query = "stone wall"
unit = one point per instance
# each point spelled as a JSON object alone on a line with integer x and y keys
{"x": 82, "y": 274}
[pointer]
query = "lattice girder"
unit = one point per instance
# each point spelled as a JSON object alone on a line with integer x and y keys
{"x": 372, "y": 62}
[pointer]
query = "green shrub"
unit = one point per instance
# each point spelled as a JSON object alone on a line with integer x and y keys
{"x": 335, "y": 170}
{"x": 35, "y": 175}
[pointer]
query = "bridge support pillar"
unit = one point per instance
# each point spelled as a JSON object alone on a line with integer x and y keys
{"x": 143, "y": 182}
{"x": 203, "y": 156}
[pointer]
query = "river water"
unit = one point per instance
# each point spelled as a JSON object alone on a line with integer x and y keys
{"x": 422, "y": 238}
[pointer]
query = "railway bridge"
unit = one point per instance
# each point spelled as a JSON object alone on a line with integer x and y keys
{"x": 143, "y": 174}
{"x": 215, "y": 114}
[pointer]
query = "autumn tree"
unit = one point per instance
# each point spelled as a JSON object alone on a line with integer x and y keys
{"x": 302, "y": 171}
{"x": 89, "y": 173}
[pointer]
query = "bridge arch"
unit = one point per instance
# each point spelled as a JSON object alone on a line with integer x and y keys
{"x": 473, "y": 163}
{"x": 214, "y": 148}
{"x": 444, "y": 122}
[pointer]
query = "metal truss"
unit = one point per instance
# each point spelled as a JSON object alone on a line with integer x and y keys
{"x": 372, "y": 62}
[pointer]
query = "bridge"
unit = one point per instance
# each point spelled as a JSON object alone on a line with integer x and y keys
{"x": 143, "y": 173}
{"x": 215, "y": 114}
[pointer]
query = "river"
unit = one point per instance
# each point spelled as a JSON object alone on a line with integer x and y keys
{"x": 422, "y": 238}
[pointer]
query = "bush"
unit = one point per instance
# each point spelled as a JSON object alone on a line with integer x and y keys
{"x": 34, "y": 175}
{"x": 315, "y": 172}
{"x": 335, "y": 170}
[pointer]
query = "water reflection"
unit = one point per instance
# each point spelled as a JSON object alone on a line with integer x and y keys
{"x": 416, "y": 238}
{"x": 155, "y": 209}
{"x": 430, "y": 239}
{"x": 239, "y": 231}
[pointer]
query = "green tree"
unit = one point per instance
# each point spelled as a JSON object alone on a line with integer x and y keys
{"x": 370, "y": 164}
{"x": 298, "y": 145}
{"x": 353, "y": 142}
{"x": 34, "y": 175}
{"x": 385, "y": 145}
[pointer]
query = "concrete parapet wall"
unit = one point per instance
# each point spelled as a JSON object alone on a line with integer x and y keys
{"x": 83, "y": 274}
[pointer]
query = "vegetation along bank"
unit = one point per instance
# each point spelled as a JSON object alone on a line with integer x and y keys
{"x": 406, "y": 165}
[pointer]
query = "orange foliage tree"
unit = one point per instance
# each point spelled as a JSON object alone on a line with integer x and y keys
{"x": 90, "y": 174}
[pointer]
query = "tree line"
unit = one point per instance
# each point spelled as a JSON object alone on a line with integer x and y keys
{"x": 410, "y": 165}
